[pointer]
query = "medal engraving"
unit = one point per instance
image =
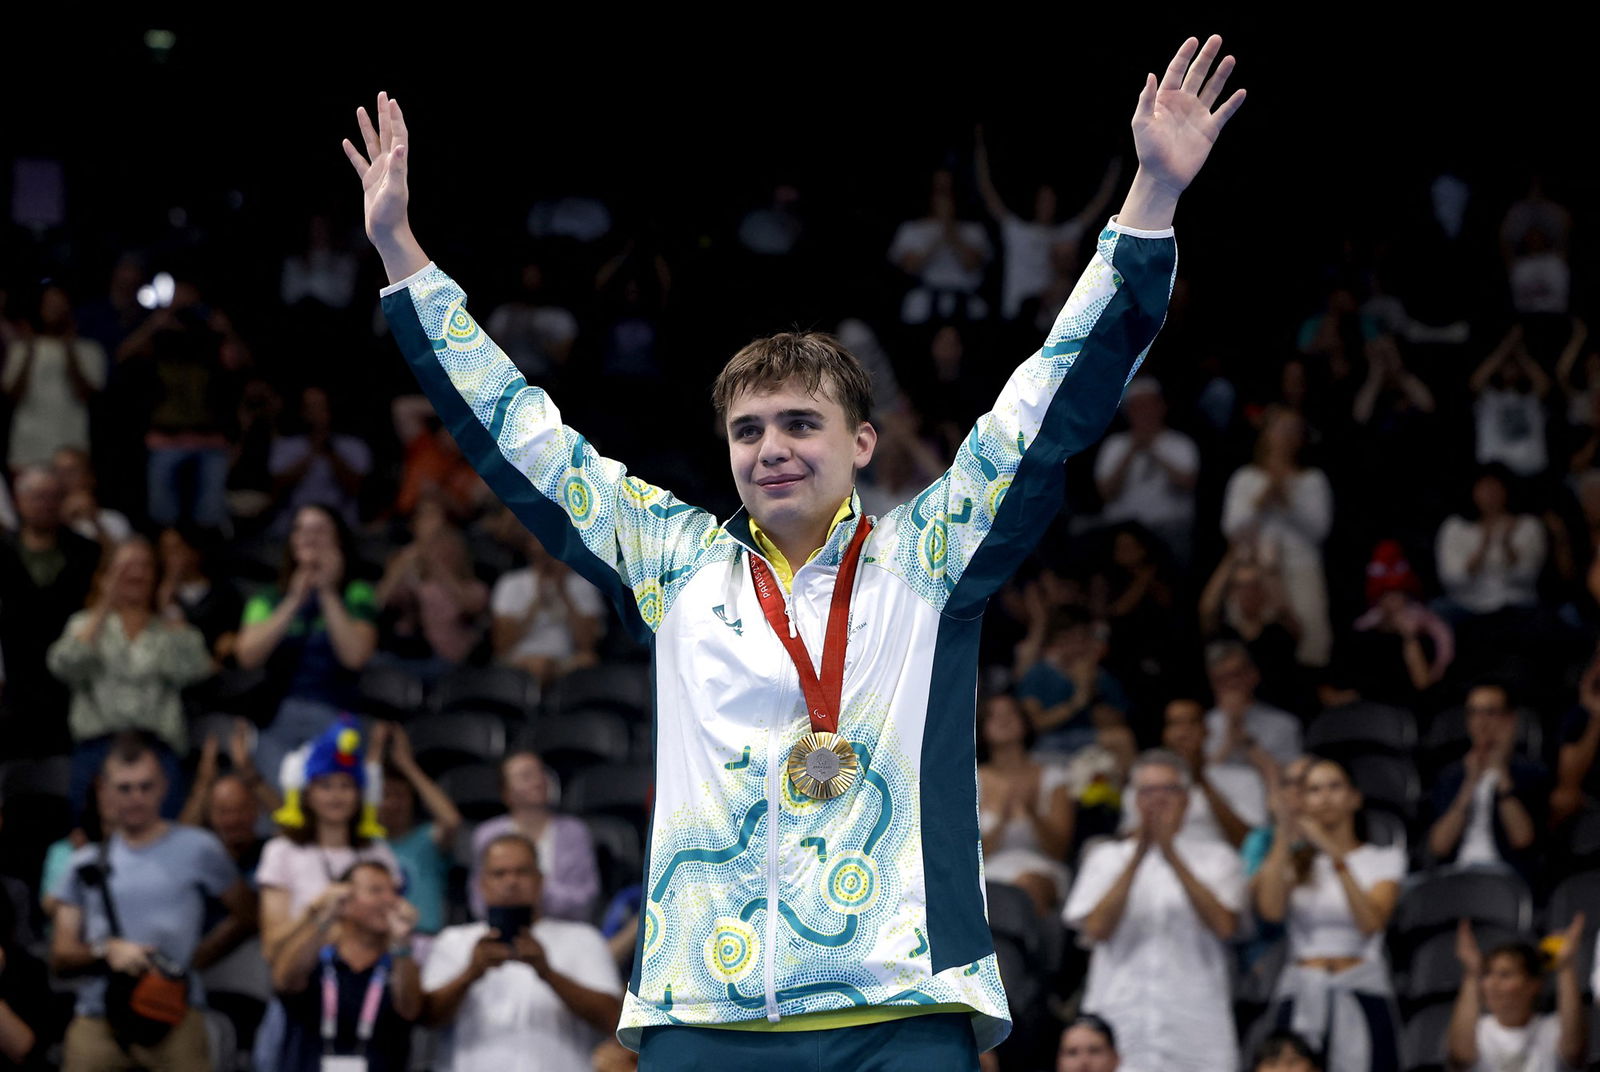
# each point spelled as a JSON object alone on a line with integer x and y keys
{"x": 822, "y": 765}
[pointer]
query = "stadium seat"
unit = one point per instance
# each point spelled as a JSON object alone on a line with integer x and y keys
{"x": 622, "y": 790}
{"x": 1388, "y": 782}
{"x": 1425, "y": 1036}
{"x": 618, "y": 850}
{"x": 1433, "y": 902}
{"x": 622, "y": 687}
{"x": 569, "y": 742}
{"x": 1362, "y": 729}
{"x": 441, "y": 742}
{"x": 475, "y": 790}
{"x": 1385, "y": 828}
{"x": 391, "y": 692}
{"x": 503, "y": 689}
{"x": 1580, "y": 893}
{"x": 1584, "y": 843}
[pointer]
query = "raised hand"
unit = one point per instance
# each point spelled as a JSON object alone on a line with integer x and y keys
{"x": 1174, "y": 127}
{"x": 384, "y": 190}
{"x": 1571, "y": 942}
{"x": 1467, "y": 951}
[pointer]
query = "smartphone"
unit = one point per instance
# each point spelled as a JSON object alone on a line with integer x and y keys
{"x": 510, "y": 920}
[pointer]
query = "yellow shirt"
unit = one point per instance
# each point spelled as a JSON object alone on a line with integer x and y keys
{"x": 832, "y": 1018}
{"x": 780, "y": 564}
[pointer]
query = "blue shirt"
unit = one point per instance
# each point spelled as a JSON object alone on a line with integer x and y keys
{"x": 427, "y": 875}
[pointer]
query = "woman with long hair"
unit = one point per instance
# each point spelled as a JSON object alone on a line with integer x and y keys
{"x": 314, "y": 632}
{"x": 1335, "y": 893}
{"x": 1285, "y": 509}
{"x": 126, "y": 667}
{"x": 1026, "y": 814}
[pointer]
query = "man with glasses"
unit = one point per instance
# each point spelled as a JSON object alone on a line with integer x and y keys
{"x": 1158, "y": 910}
{"x": 136, "y": 907}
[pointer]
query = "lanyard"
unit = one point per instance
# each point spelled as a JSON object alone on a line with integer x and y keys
{"x": 822, "y": 694}
{"x": 369, "y": 1004}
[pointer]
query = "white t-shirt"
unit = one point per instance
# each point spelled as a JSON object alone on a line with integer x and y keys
{"x": 1162, "y": 977}
{"x": 1320, "y": 921}
{"x": 1541, "y": 283}
{"x": 1477, "y": 840}
{"x": 1499, "y": 583}
{"x": 547, "y": 635}
{"x": 1531, "y": 1048}
{"x": 527, "y": 333}
{"x": 943, "y": 270}
{"x": 50, "y": 415}
{"x": 511, "y": 1017}
{"x": 1148, "y": 496}
{"x": 1275, "y": 730}
{"x": 1028, "y": 247}
{"x": 1510, "y": 428}
{"x": 319, "y": 484}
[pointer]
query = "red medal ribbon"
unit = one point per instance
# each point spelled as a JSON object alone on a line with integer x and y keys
{"x": 822, "y": 695}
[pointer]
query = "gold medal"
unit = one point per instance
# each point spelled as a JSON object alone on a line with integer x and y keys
{"x": 823, "y": 765}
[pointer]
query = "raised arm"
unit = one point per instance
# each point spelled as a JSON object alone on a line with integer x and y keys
{"x": 973, "y": 526}
{"x": 980, "y": 163}
{"x": 630, "y": 539}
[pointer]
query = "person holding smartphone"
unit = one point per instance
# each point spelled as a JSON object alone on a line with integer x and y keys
{"x": 518, "y": 984}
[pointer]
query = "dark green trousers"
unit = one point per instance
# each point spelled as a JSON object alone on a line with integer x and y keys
{"x": 939, "y": 1043}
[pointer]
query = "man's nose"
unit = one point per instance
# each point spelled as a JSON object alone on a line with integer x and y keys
{"x": 774, "y": 447}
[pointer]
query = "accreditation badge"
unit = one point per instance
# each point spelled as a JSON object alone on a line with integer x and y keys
{"x": 823, "y": 765}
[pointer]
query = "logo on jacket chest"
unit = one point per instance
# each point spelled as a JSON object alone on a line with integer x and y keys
{"x": 737, "y": 625}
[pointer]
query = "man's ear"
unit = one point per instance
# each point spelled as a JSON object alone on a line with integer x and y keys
{"x": 866, "y": 443}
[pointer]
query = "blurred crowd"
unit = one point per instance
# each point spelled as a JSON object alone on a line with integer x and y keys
{"x": 1288, "y": 731}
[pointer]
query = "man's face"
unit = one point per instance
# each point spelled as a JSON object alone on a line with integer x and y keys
{"x": 1235, "y": 674}
{"x": 1509, "y": 992}
{"x": 397, "y": 812}
{"x": 39, "y": 501}
{"x": 1491, "y": 721}
{"x": 1184, "y": 730}
{"x": 794, "y": 457}
{"x": 134, "y": 791}
{"x": 510, "y": 877}
{"x": 233, "y": 812}
{"x": 372, "y": 898}
{"x": 1160, "y": 794}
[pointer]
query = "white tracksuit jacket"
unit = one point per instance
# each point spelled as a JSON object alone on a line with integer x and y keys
{"x": 759, "y": 904}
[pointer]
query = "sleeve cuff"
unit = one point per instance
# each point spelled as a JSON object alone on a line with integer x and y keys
{"x": 393, "y": 288}
{"x": 1133, "y": 232}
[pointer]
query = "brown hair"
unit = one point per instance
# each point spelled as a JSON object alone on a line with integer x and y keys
{"x": 814, "y": 360}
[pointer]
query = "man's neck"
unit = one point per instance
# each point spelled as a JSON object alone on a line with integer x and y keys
{"x": 144, "y": 835}
{"x": 360, "y": 949}
{"x": 40, "y": 539}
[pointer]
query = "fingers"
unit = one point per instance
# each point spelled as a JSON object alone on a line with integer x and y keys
{"x": 1147, "y": 98}
{"x": 368, "y": 135}
{"x": 1173, "y": 78}
{"x": 1213, "y": 86}
{"x": 357, "y": 161}
{"x": 1196, "y": 75}
{"x": 401, "y": 135}
{"x": 385, "y": 124}
{"x": 1229, "y": 106}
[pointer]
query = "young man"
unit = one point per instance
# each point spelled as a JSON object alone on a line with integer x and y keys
{"x": 551, "y": 988}
{"x": 1496, "y": 1023}
{"x": 813, "y": 860}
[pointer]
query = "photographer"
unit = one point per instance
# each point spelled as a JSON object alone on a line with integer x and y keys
{"x": 365, "y": 973}
{"x": 518, "y": 984}
{"x": 133, "y": 908}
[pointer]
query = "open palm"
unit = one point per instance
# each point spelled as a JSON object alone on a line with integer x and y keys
{"x": 1174, "y": 125}
{"x": 383, "y": 168}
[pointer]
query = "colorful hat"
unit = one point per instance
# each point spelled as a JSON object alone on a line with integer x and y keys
{"x": 1389, "y": 571}
{"x": 340, "y": 749}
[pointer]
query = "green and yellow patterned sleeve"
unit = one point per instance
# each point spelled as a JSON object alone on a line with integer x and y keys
{"x": 634, "y": 541}
{"x": 960, "y": 539}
